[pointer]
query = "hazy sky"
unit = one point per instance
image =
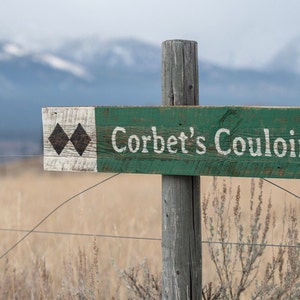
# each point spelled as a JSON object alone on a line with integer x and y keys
{"x": 231, "y": 32}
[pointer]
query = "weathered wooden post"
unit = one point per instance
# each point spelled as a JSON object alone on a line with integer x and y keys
{"x": 181, "y": 223}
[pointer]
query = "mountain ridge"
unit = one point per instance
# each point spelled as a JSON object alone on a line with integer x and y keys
{"x": 124, "y": 72}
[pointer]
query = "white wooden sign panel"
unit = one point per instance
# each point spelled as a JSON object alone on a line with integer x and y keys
{"x": 74, "y": 147}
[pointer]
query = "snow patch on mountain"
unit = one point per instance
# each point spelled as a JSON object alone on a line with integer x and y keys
{"x": 14, "y": 50}
{"x": 121, "y": 54}
{"x": 133, "y": 55}
{"x": 63, "y": 65}
{"x": 11, "y": 51}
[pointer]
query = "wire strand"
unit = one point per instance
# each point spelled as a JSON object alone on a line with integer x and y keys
{"x": 53, "y": 211}
{"x": 83, "y": 234}
{"x": 249, "y": 244}
{"x": 282, "y": 188}
{"x": 143, "y": 238}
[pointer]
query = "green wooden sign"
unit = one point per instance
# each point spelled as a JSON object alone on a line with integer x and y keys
{"x": 213, "y": 141}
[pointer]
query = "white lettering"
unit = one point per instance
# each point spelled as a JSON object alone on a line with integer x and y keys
{"x": 241, "y": 141}
{"x": 172, "y": 141}
{"x": 156, "y": 140}
{"x": 145, "y": 139}
{"x": 137, "y": 143}
{"x": 226, "y": 143}
{"x": 114, "y": 139}
{"x": 283, "y": 147}
{"x": 292, "y": 143}
{"x": 258, "y": 146}
{"x": 192, "y": 131}
{"x": 217, "y": 141}
{"x": 183, "y": 138}
{"x": 267, "y": 139}
{"x": 201, "y": 147}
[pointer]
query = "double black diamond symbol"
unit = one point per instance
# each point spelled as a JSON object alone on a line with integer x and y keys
{"x": 79, "y": 139}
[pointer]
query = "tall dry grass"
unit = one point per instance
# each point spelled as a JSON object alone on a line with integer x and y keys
{"x": 51, "y": 266}
{"x": 128, "y": 205}
{"x": 240, "y": 236}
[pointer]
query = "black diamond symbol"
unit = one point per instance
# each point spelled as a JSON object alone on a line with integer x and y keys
{"x": 58, "y": 139}
{"x": 80, "y": 139}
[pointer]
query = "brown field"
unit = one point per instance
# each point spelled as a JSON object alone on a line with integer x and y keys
{"x": 127, "y": 205}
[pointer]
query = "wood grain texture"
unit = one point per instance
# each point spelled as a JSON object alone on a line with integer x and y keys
{"x": 69, "y": 118}
{"x": 181, "y": 223}
{"x": 180, "y": 84}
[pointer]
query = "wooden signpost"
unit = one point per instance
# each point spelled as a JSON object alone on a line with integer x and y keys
{"x": 181, "y": 221}
{"x": 211, "y": 141}
{"x": 181, "y": 141}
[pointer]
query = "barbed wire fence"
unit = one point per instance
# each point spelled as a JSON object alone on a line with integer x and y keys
{"x": 99, "y": 235}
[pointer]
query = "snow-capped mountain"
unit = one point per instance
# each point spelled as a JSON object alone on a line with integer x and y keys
{"x": 124, "y": 72}
{"x": 81, "y": 58}
{"x": 13, "y": 54}
{"x": 77, "y": 73}
{"x": 114, "y": 54}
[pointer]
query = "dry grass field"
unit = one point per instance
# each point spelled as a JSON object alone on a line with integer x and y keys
{"x": 127, "y": 205}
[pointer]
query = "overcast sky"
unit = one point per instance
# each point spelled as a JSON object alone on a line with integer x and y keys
{"x": 230, "y": 32}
